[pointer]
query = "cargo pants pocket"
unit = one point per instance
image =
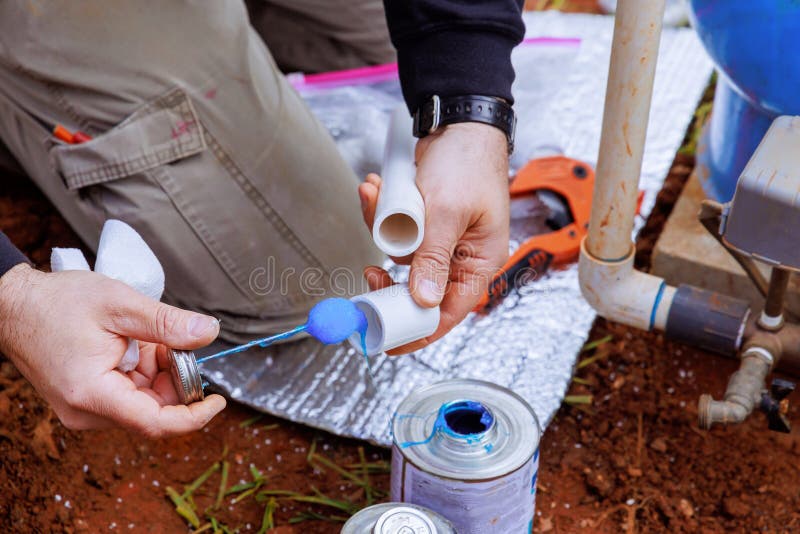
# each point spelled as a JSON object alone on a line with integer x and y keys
{"x": 224, "y": 250}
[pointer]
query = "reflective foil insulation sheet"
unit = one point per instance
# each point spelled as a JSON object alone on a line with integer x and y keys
{"x": 530, "y": 342}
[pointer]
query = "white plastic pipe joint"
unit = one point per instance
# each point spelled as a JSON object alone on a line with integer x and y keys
{"x": 393, "y": 319}
{"x": 399, "y": 223}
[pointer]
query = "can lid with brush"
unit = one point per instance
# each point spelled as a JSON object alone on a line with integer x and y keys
{"x": 185, "y": 375}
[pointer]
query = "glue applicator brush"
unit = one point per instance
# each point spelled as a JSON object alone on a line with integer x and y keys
{"x": 330, "y": 321}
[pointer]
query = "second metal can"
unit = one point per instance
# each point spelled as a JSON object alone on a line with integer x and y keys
{"x": 397, "y": 518}
{"x": 469, "y": 450}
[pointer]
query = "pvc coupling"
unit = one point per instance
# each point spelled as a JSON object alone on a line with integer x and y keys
{"x": 393, "y": 319}
{"x": 708, "y": 320}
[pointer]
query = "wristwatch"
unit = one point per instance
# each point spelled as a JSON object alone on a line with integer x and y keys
{"x": 441, "y": 111}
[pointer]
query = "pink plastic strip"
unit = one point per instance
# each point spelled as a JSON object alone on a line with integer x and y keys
{"x": 388, "y": 71}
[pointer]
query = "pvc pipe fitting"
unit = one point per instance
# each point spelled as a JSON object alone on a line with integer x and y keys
{"x": 393, "y": 319}
{"x": 399, "y": 223}
{"x": 708, "y": 320}
{"x": 619, "y": 292}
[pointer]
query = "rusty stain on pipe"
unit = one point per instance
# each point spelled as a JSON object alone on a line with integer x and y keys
{"x": 629, "y": 91}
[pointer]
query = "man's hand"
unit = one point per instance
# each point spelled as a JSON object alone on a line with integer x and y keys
{"x": 66, "y": 332}
{"x": 462, "y": 173}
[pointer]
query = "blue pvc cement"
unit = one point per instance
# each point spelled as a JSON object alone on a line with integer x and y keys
{"x": 330, "y": 321}
{"x": 334, "y": 320}
{"x": 465, "y": 420}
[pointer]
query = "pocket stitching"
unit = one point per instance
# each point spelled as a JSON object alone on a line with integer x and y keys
{"x": 176, "y": 100}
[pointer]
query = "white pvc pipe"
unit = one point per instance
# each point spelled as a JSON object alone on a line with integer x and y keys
{"x": 609, "y": 282}
{"x": 393, "y": 319}
{"x": 399, "y": 223}
{"x": 634, "y": 52}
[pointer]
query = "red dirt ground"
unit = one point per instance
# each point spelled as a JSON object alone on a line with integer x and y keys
{"x": 632, "y": 460}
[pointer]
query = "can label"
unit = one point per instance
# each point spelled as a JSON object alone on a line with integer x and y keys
{"x": 502, "y": 505}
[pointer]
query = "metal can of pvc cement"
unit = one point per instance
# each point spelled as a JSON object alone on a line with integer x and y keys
{"x": 185, "y": 375}
{"x": 469, "y": 450}
{"x": 397, "y": 518}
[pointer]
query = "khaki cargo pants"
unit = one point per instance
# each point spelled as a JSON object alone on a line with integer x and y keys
{"x": 198, "y": 141}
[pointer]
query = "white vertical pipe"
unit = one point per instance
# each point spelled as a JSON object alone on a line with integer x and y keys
{"x": 400, "y": 214}
{"x": 608, "y": 280}
{"x": 634, "y": 53}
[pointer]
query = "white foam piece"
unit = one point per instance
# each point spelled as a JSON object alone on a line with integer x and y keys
{"x": 68, "y": 259}
{"x": 122, "y": 255}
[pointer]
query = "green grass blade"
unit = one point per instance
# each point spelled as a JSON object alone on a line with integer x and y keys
{"x": 254, "y": 419}
{"x": 312, "y": 449}
{"x": 240, "y": 487}
{"x": 266, "y": 494}
{"x": 578, "y": 399}
{"x": 183, "y": 508}
{"x": 223, "y": 483}
{"x": 245, "y": 494}
{"x": 258, "y": 476}
{"x": 329, "y": 464}
{"x": 591, "y": 359}
{"x": 596, "y": 343}
{"x": 373, "y": 467}
{"x": 268, "y": 520}
{"x": 339, "y": 505}
{"x": 191, "y": 488}
{"x": 312, "y": 516}
{"x": 365, "y": 476}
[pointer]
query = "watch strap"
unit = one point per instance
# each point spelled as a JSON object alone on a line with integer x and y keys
{"x": 441, "y": 111}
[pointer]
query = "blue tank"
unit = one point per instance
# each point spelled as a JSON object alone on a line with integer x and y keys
{"x": 755, "y": 45}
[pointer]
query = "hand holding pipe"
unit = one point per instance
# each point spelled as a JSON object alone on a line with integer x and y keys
{"x": 400, "y": 213}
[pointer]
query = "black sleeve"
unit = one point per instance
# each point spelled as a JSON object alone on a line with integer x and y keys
{"x": 454, "y": 47}
{"x": 10, "y": 256}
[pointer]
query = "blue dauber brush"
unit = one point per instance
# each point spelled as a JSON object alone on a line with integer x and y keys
{"x": 330, "y": 321}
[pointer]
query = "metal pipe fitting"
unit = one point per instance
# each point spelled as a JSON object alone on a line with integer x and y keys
{"x": 743, "y": 393}
{"x": 772, "y": 317}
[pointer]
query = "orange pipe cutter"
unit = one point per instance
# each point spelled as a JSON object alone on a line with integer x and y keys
{"x": 561, "y": 190}
{"x": 551, "y": 195}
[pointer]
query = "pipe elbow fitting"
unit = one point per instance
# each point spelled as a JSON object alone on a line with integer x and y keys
{"x": 743, "y": 392}
{"x": 710, "y": 411}
{"x": 617, "y": 291}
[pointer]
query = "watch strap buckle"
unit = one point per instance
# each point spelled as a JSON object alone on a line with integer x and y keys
{"x": 428, "y": 117}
